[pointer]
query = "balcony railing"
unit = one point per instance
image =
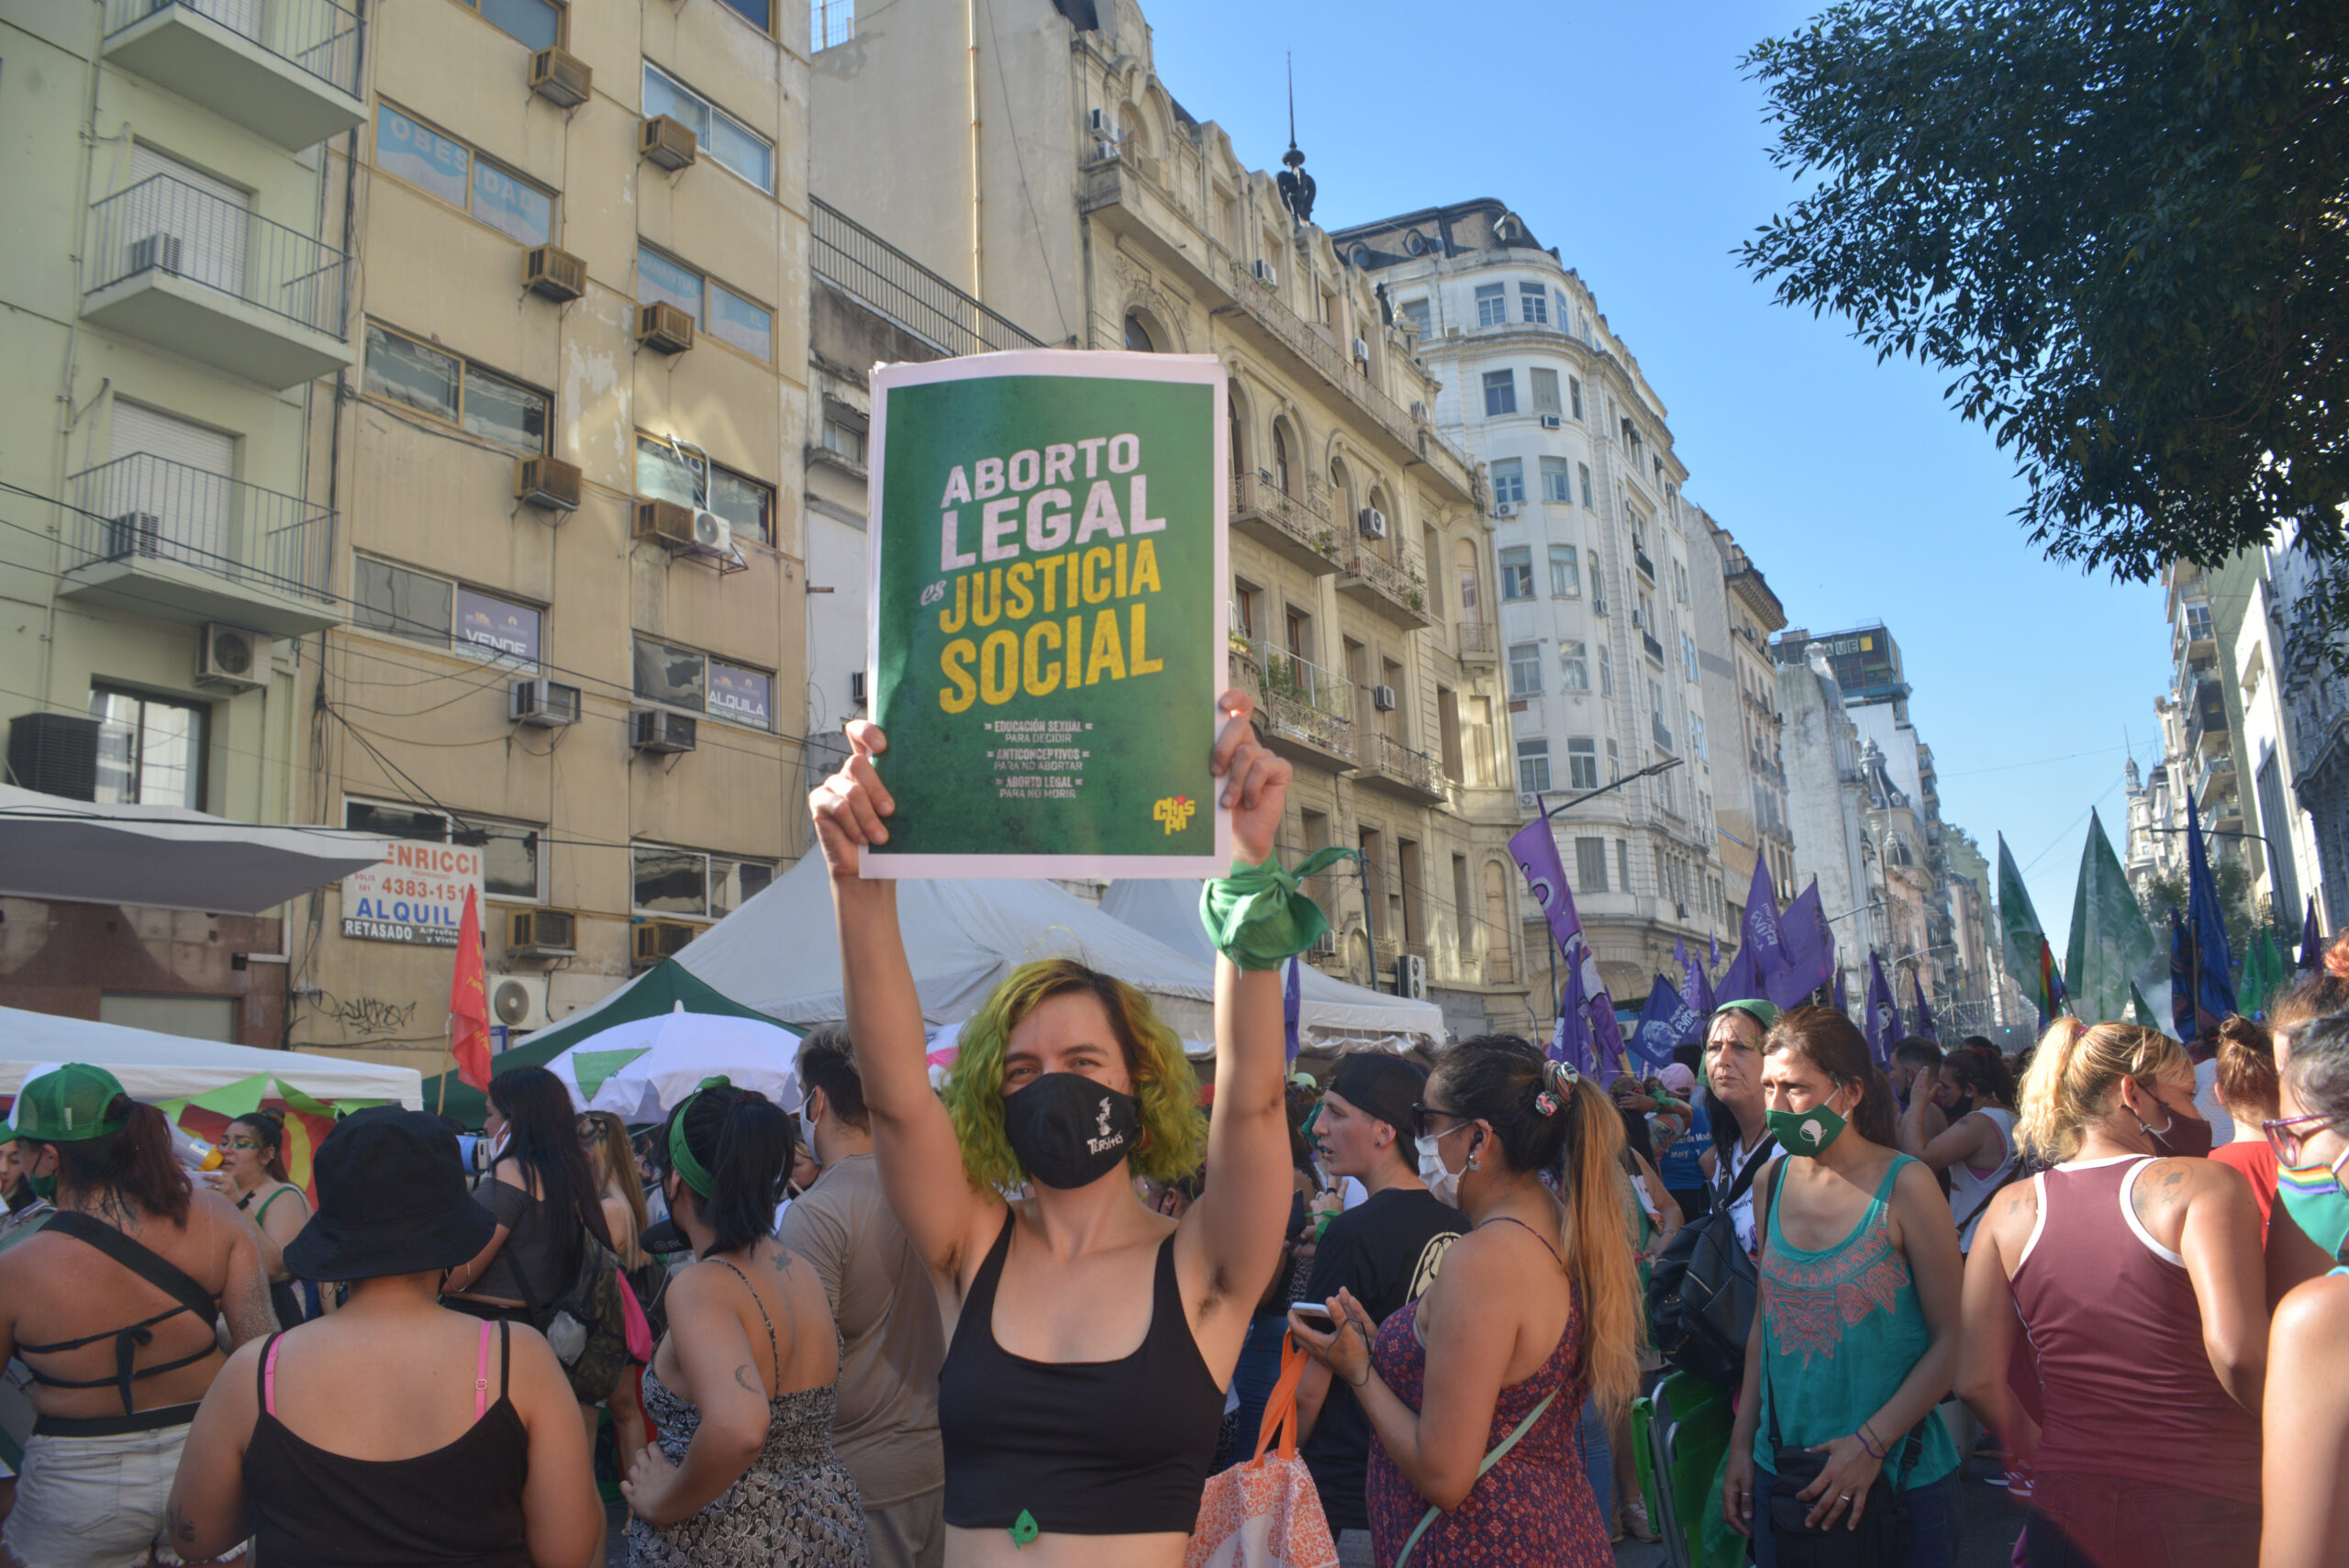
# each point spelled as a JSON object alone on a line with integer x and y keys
{"x": 316, "y": 36}
{"x": 852, "y": 258}
{"x": 162, "y": 226}
{"x": 1662, "y": 733}
{"x": 1401, "y": 588}
{"x": 1399, "y": 762}
{"x": 143, "y": 507}
{"x": 1300, "y": 520}
{"x": 1640, "y": 558}
{"x": 2217, "y": 777}
{"x": 1302, "y": 702}
{"x": 1479, "y": 639}
{"x": 1655, "y": 648}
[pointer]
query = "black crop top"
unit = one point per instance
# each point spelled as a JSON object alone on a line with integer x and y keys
{"x": 1084, "y": 1448}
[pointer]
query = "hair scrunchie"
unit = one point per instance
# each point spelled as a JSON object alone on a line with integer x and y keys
{"x": 1558, "y": 1078}
{"x": 1257, "y": 918}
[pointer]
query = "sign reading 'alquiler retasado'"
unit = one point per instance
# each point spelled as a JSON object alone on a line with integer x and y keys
{"x": 1047, "y": 614}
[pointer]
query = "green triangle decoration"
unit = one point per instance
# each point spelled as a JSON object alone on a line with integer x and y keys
{"x": 594, "y": 1066}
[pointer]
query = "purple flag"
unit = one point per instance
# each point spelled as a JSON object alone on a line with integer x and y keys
{"x": 1292, "y": 999}
{"x": 1535, "y": 849}
{"x": 1696, "y": 990}
{"x": 1884, "y": 1014}
{"x": 1667, "y": 1020}
{"x": 1714, "y": 937}
{"x": 1925, "y": 1029}
{"x": 1571, "y": 1042}
{"x": 1808, "y": 951}
{"x": 1604, "y": 1030}
{"x": 1842, "y": 1003}
{"x": 1760, "y": 939}
{"x": 2312, "y": 940}
{"x": 1738, "y": 982}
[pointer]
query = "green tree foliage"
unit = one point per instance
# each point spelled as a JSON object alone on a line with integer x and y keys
{"x": 2121, "y": 223}
{"x": 2157, "y": 896}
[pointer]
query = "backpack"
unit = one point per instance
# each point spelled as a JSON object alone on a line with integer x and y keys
{"x": 586, "y": 1324}
{"x": 1702, "y": 1291}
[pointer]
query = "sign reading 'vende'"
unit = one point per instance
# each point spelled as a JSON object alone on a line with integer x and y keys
{"x": 415, "y": 893}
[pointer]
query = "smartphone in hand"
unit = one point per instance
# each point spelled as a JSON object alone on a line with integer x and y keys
{"x": 1316, "y": 1314}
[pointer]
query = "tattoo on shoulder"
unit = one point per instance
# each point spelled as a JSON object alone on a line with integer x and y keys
{"x": 748, "y": 1376}
{"x": 782, "y": 1258}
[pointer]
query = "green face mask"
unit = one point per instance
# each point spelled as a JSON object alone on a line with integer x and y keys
{"x": 44, "y": 1187}
{"x": 1806, "y": 1132}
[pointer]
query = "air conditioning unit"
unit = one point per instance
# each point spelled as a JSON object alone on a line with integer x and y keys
{"x": 665, "y": 523}
{"x": 1372, "y": 522}
{"x": 1362, "y": 351}
{"x": 547, "y": 482}
{"x": 1264, "y": 273}
{"x": 658, "y": 729}
{"x": 856, "y": 687}
{"x": 518, "y": 1001}
{"x": 1552, "y": 422}
{"x": 1503, "y": 509}
{"x": 543, "y": 704}
{"x": 1639, "y": 620}
{"x": 55, "y": 753}
{"x": 1100, "y": 123}
{"x": 1526, "y": 802}
{"x": 1419, "y": 411}
{"x": 1383, "y": 698}
{"x": 1598, "y": 604}
{"x": 133, "y": 533}
{"x": 1411, "y": 977}
{"x": 551, "y": 273}
{"x": 713, "y": 535}
{"x": 1324, "y": 946}
{"x": 667, "y": 143}
{"x": 1452, "y": 331}
{"x": 650, "y": 941}
{"x": 232, "y": 657}
{"x": 560, "y": 78}
{"x": 663, "y": 327}
{"x": 542, "y": 933}
{"x": 158, "y": 252}
{"x": 1103, "y": 151}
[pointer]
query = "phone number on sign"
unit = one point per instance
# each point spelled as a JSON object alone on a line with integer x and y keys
{"x": 422, "y": 889}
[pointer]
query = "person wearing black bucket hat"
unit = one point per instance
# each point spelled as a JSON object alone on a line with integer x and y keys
{"x": 393, "y": 1431}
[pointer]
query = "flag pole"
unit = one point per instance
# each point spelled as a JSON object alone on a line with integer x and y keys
{"x": 448, "y": 1063}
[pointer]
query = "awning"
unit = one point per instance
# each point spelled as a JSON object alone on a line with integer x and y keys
{"x": 165, "y": 857}
{"x": 158, "y": 1067}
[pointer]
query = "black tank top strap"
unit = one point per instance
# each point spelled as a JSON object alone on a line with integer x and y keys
{"x": 156, "y": 1270}
{"x": 990, "y": 1275}
{"x": 505, "y": 1358}
{"x": 774, "y": 1353}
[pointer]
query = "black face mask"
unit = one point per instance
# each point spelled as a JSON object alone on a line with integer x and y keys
{"x": 1070, "y": 1131}
{"x": 1961, "y": 1107}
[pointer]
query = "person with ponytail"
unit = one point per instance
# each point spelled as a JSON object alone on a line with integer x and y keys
{"x": 2131, "y": 1266}
{"x": 253, "y": 1176}
{"x": 1475, "y": 1391}
{"x": 1855, "y": 1336}
{"x": 147, "y": 1261}
{"x": 744, "y": 1386}
{"x": 2315, "y": 995}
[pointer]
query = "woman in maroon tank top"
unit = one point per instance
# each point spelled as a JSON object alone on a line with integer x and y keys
{"x": 2133, "y": 1265}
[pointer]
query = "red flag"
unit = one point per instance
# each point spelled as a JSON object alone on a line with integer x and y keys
{"x": 468, "y": 1002}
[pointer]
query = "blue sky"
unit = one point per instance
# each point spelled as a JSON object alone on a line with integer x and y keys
{"x": 1626, "y": 137}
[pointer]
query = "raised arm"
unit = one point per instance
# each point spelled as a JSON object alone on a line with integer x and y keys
{"x": 1964, "y": 1141}
{"x": 949, "y": 1220}
{"x": 1230, "y": 1239}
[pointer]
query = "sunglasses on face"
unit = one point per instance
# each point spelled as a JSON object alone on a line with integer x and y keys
{"x": 245, "y": 1143}
{"x": 2288, "y": 1135}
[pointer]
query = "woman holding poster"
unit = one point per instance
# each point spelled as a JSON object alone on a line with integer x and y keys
{"x": 1083, "y": 1388}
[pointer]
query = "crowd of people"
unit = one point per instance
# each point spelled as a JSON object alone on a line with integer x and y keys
{"x": 1021, "y": 1317}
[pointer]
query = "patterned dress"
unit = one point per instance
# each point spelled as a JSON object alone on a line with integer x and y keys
{"x": 1534, "y": 1506}
{"x": 796, "y": 1507}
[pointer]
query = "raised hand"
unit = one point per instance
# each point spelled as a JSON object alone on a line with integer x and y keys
{"x": 1255, "y": 782}
{"x": 848, "y": 806}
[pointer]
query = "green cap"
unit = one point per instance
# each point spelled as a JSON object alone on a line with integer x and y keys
{"x": 67, "y": 1104}
{"x": 1762, "y": 1012}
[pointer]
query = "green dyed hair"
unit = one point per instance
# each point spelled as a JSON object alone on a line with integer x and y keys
{"x": 1174, "y": 1133}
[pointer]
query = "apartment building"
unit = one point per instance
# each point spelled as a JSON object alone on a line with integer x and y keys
{"x": 1029, "y": 154}
{"x": 177, "y": 280}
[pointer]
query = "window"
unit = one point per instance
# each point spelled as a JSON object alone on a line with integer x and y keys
{"x": 1500, "y": 393}
{"x": 1591, "y": 865}
{"x": 679, "y": 677}
{"x": 1566, "y": 571}
{"x": 536, "y": 23}
{"x": 677, "y": 473}
{"x": 1606, "y": 674}
{"x": 688, "y": 882}
{"x": 843, "y": 443}
{"x": 1697, "y": 737}
{"x": 151, "y": 751}
{"x": 1624, "y": 864}
{"x": 455, "y": 392}
{"x": 509, "y": 849}
{"x": 1508, "y": 480}
{"x": 1492, "y": 305}
{"x": 1614, "y": 763}
{"x": 753, "y": 12}
{"x": 1585, "y": 468}
{"x": 1545, "y": 390}
{"x": 1525, "y": 670}
{"x": 1138, "y": 340}
{"x": 1533, "y": 767}
{"x": 1554, "y": 480}
{"x": 436, "y": 165}
{"x": 1413, "y": 313}
{"x": 1574, "y": 389}
{"x": 1574, "y": 667}
{"x": 1516, "y": 572}
{"x": 1688, "y": 655}
{"x": 716, "y": 309}
{"x": 466, "y": 621}
{"x": 729, "y": 143}
{"x": 1533, "y": 303}
{"x": 1582, "y": 763}
{"x": 1245, "y": 597}
{"x": 1680, "y": 581}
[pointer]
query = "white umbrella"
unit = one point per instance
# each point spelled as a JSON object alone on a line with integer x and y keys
{"x": 642, "y": 1069}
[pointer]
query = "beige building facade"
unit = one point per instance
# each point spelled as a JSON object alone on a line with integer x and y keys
{"x": 1033, "y": 157}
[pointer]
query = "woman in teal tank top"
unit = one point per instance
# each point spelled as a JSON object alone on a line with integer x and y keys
{"x": 1855, "y": 1339}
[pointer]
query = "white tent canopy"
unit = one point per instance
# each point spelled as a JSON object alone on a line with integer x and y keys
{"x": 154, "y": 1066}
{"x": 165, "y": 857}
{"x": 1331, "y": 1011}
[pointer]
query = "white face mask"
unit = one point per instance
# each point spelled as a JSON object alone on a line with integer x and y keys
{"x": 1443, "y": 1184}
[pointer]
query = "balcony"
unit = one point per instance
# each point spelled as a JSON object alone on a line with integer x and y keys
{"x": 1307, "y": 711}
{"x": 287, "y": 70}
{"x": 1480, "y": 642}
{"x": 1395, "y": 769}
{"x": 171, "y": 543}
{"x": 201, "y": 276}
{"x": 2215, "y": 781}
{"x": 1640, "y": 558}
{"x": 867, "y": 268}
{"x": 1396, "y": 593}
{"x": 1655, "y": 648}
{"x": 1662, "y": 733}
{"x": 2206, "y": 718}
{"x": 1296, "y": 528}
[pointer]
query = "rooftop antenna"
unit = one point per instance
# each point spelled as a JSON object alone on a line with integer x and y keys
{"x": 1296, "y": 184}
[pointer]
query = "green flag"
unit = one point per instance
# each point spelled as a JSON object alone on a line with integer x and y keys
{"x": 2141, "y": 1012}
{"x": 2027, "y": 955}
{"x": 2113, "y": 948}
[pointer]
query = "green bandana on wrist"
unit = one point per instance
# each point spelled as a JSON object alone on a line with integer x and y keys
{"x": 681, "y": 1157}
{"x": 1257, "y": 919}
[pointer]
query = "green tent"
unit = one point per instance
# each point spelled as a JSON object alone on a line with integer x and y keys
{"x": 664, "y": 988}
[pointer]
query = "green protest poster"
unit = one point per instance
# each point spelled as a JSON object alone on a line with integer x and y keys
{"x": 1048, "y": 614}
